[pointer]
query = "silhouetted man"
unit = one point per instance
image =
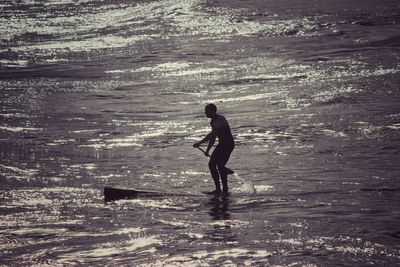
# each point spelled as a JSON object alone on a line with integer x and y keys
{"x": 220, "y": 156}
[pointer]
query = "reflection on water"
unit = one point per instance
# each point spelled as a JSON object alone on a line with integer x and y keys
{"x": 111, "y": 93}
{"x": 219, "y": 208}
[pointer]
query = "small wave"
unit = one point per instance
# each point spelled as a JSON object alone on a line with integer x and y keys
{"x": 61, "y": 142}
{"x": 87, "y": 166}
{"x": 228, "y": 255}
{"x": 13, "y": 63}
{"x": 395, "y": 126}
{"x": 109, "y": 250}
{"x": 20, "y": 129}
{"x": 336, "y": 95}
{"x": 393, "y": 41}
{"x": 338, "y": 100}
{"x": 151, "y": 132}
{"x": 23, "y": 171}
{"x": 315, "y": 192}
{"x": 318, "y": 59}
{"x": 177, "y": 224}
{"x": 47, "y": 197}
{"x": 258, "y": 201}
{"x": 247, "y": 97}
{"x": 333, "y": 133}
{"x": 165, "y": 204}
{"x": 15, "y": 115}
{"x": 128, "y": 141}
{"x": 8, "y": 242}
{"x": 39, "y": 232}
{"x": 33, "y": 37}
{"x": 394, "y": 234}
{"x": 263, "y": 78}
{"x": 382, "y": 189}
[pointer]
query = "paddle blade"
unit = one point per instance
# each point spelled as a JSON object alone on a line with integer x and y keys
{"x": 229, "y": 171}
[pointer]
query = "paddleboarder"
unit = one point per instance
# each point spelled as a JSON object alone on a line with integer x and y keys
{"x": 220, "y": 156}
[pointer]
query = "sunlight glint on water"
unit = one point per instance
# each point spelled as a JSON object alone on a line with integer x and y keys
{"x": 112, "y": 93}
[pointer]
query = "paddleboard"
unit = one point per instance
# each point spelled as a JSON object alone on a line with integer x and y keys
{"x": 115, "y": 193}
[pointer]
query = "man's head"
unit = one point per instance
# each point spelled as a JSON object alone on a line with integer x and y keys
{"x": 211, "y": 110}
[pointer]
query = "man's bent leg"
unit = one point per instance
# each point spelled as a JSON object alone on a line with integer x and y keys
{"x": 214, "y": 173}
{"x": 224, "y": 179}
{"x": 223, "y": 171}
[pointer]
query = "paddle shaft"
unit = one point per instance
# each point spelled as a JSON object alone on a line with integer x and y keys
{"x": 202, "y": 150}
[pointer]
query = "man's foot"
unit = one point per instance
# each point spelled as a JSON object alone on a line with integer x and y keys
{"x": 225, "y": 193}
{"x": 215, "y": 192}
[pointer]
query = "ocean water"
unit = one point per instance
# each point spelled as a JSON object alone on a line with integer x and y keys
{"x": 111, "y": 93}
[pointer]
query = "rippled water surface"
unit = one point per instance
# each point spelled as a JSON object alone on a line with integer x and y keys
{"x": 111, "y": 93}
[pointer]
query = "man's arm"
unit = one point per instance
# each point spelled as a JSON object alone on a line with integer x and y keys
{"x": 217, "y": 126}
{"x": 209, "y": 137}
{"x": 210, "y": 143}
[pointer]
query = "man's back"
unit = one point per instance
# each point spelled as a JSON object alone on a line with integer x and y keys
{"x": 222, "y": 130}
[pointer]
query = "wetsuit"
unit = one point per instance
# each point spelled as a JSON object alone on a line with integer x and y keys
{"x": 222, "y": 152}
